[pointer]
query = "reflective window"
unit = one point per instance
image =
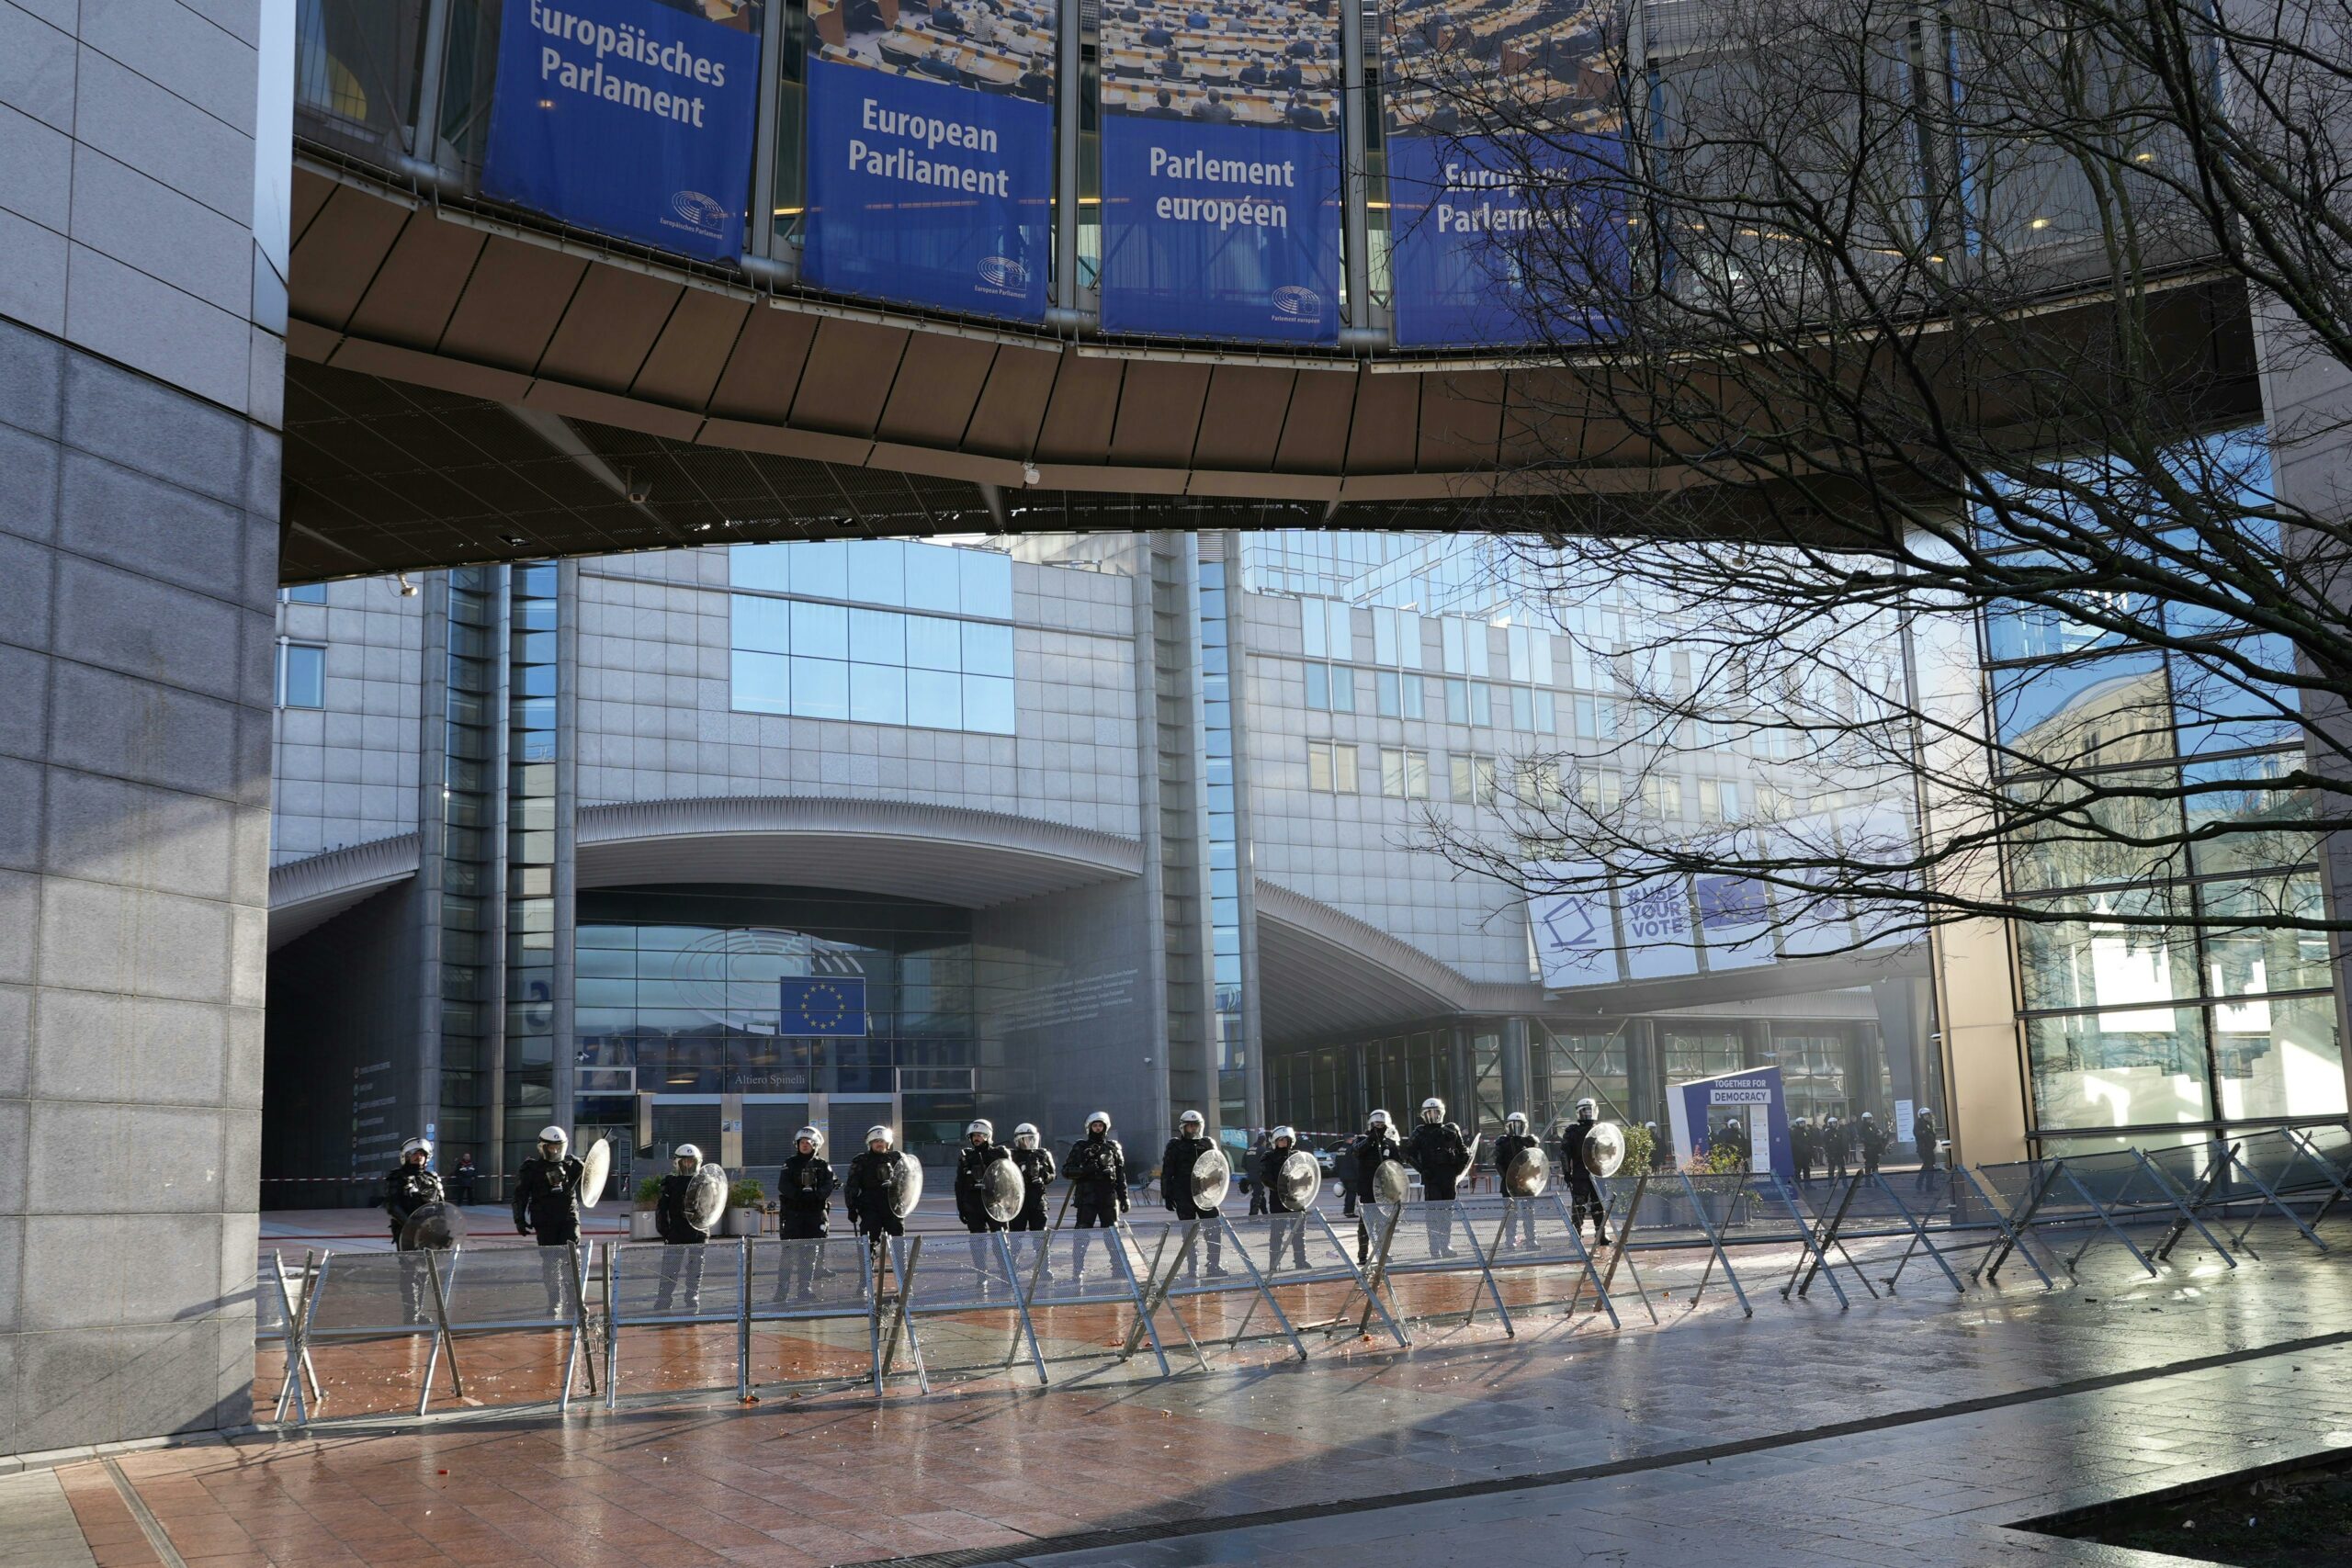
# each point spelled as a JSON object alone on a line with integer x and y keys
{"x": 301, "y": 675}
{"x": 2278, "y": 1056}
{"x": 303, "y": 593}
{"x": 862, "y": 661}
{"x": 2127, "y": 1068}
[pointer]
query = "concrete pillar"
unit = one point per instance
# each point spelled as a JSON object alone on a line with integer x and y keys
{"x": 143, "y": 236}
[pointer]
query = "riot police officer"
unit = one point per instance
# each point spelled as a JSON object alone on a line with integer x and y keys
{"x": 1438, "y": 1152}
{"x": 1873, "y": 1140}
{"x": 1519, "y": 1219}
{"x": 1833, "y": 1148}
{"x": 804, "y": 1199}
{"x": 410, "y": 1185}
{"x": 1290, "y": 1219}
{"x": 875, "y": 1177}
{"x": 1923, "y": 1140}
{"x": 546, "y": 1205}
{"x": 682, "y": 1257}
{"x": 1176, "y": 1161}
{"x": 1098, "y": 1174}
{"x": 1374, "y": 1146}
{"x": 981, "y": 1150}
{"x": 1584, "y": 1189}
{"x": 1037, "y": 1171}
{"x": 1661, "y": 1151}
{"x": 1735, "y": 1137}
{"x": 1800, "y": 1144}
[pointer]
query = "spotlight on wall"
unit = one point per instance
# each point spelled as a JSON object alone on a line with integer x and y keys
{"x": 407, "y": 589}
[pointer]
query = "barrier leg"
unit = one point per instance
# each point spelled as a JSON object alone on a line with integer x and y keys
{"x": 2106, "y": 1219}
{"x": 2340, "y": 1180}
{"x": 441, "y": 1336}
{"x": 2270, "y": 1195}
{"x": 1376, "y": 1280}
{"x": 874, "y": 1256}
{"x": 1118, "y": 1241}
{"x": 1502, "y": 1230}
{"x": 298, "y": 1339}
{"x": 286, "y": 1315}
{"x": 907, "y": 1264}
{"x": 2014, "y": 1227}
{"x": 1157, "y": 1285}
{"x": 1486, "y": 1272}
{"x": 1699, "y": 1213}
{"x": 1817, "y": 1245}
{"x": 612, "y": 1323}
{"x": 2187, "y": 1211}
{"x": 743, "y": 1319}
{"x": 1918, "y": 1237}
{"x": 1617, "y": 1251}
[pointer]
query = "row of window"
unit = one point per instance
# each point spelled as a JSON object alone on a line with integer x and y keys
{"x": 1327, "y": 630}
{"x": 893, "y": 572}
{"x": 820, "y": 660}
{"x": 1335, "y": 767}
{"x": 301, "y": 675}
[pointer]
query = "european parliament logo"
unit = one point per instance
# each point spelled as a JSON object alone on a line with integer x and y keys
{"x": 833, "y": 1006}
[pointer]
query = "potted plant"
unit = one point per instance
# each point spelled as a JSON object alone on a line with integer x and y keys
{"x": 1720, "y": 1200}
{"x": 640, "y": 1224}
{"x": 743, "y": 1208}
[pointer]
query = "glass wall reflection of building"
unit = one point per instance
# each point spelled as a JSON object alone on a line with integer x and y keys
{"x": 2144, "y": 1032}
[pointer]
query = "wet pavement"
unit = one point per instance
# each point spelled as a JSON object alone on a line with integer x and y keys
{"x": 1914, "y": 1428}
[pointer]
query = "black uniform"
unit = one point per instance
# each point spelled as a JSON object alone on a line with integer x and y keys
{"x": 1037, "y": 1173}
{"x": 1801, "y": 1140}
{"x": 684, "y": 1265}
{"x": 547, "y": 1204}
{"x": 1735, "y": 1136}
{"x": 1873, "y": 1140}
{"x": 407, "y": 1189}
{"x": 1373, "y": 1147}
{"x": 872, "y": 1191}
{"x": 1438, "y": 1152}
{"x": 1923, "y": 1139}
{"x": 1583, "y": 1191}
{"x": 804, "y": 1200}
{"x": 1833, "y": 1149}
{"x": 1176, "y": 1162}
{"x": 1098, "y": 1174}
{"x": 1249, "y": 1175}
{"x": 1519, "y": 1219}
{"x": 1290, "y": 1219}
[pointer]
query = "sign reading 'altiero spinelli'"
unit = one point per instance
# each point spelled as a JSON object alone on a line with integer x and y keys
{"x": 627, "y": 118}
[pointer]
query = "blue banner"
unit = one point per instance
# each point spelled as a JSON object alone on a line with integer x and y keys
{"x": 625, "y": 117}
{"x": 830, "y": 1005}
{"x": 1466, "y": 239}
{"x": 1220, "y": 229}
{"x": 930, "y": 193}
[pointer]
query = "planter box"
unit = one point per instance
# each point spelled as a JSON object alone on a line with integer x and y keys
{"x": 641, "y": 1227}
{"x": 741, "y": 1222}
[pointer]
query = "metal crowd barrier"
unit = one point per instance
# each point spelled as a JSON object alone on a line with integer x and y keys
{"x": 336, "y": 1300}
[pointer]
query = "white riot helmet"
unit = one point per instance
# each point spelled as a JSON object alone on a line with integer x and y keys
{"x": 415, "y": 1146}
{"x": 1516, "y": 1122}
{"x": 1285, "y": 1135}
{"x": 1377, "y": 1119}
{"x": 1868, "y": 1117}
{"x": 686, "y": 1152}
{"x": 1433, "y": 1110}
{"x": 1101, "y": 1116}
{"x": 1191, "y": 1119}
{"x": 557, "y": 1137}
{"x": 980, "y": 1127}
{"x": 1587, "y": 1109}
{"x": 882, "y": 1136}
{"x": 1025, "y": 1135}
{"x": 810, "y": 1136}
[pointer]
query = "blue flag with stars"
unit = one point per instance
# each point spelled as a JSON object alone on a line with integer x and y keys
{"x": 828, "y": 1004}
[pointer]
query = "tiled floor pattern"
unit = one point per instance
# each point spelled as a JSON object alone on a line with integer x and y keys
{"x": 990, "y": 1464}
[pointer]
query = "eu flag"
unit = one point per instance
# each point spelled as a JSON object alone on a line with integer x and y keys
{"x": 822, "y": 1004}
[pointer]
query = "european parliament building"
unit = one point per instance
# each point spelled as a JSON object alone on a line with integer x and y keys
{"x": 1139, "y": 822}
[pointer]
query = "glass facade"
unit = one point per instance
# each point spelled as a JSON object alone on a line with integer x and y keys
{"x": 2130, "y": 1022}
{"x": 531, "y": 675}
{"x": 1233, "y": 1057}
{"x": 467, "y": 919}
{"x": 878, "y": 631}
{"x": 681, "y": 985}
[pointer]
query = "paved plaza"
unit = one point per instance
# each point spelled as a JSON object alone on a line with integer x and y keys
{"x": 1914, "y": 1428}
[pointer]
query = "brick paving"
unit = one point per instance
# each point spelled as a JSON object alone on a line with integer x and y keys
{"x": 1856, "y": 1431}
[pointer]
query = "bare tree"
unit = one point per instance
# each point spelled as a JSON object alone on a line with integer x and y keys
{"x": 1930, "y": 319}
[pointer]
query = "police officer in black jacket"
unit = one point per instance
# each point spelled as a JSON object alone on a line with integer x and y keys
{"x": 410, "y": 1185}
{"x": 1038, "y": 1172}
{"x": 1098, "y": 1174}
{"x": 1519, "y": 1219}
{"x": 546, "y": 1205}
{"x": 872, "y": 1189}
{"x": 980, "y": 1151}
{"x": 804, "y": 1200}
{"x": 1873, "y": 1139}
{"x": 1438, "y": 1152}
{"x": 1584, "y": 1189}
{"x": 681, "y": 1259}
{"x": 1801, "y": 1149}
{"x": 1833, "y": 1148}
{"x": 1176, "y": 1162}
{"x": 1377, "y": 1144}
{"x": 1290, "y": 1219}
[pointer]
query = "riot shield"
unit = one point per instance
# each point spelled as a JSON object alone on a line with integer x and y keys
{"x": 433, "y": 1227}
{"x": 595, "y": 1169}
{"x": 1212, "y": 1179}
{"x": 1529, "y": 1175}
{"x": 706, "y": 1197}
{"x": 1002, "y": 1191}
{"x": 1298, "y": 1180}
